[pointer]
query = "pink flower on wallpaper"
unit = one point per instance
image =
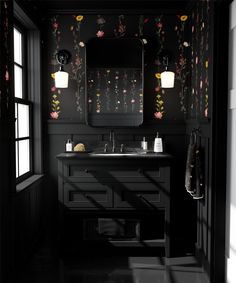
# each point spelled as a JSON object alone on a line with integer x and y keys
{"x": 206, "y": 112}
{"x": 7, "y": 77}
{"x": 100, "y": 33}
{"x": 182, "y": 61}
{"x": 157, "y": 88}
{"x": 77, "y": 61}
{"x": 159, "y": 25}
{"x": 146, "y": 20}
{"x": 55, "y": 25}
{"x": 158, "y": 115}
{"x": 54, "y": 115}
{"x": 53, "y": 88}
{"x": 201, "y": 84}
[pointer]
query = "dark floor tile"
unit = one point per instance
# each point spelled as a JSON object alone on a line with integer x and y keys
{"x": 94, "y": 268}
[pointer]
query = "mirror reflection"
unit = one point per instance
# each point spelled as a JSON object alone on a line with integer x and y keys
{"x": 114, "y": 71}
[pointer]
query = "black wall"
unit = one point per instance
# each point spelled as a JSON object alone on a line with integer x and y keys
{"x": 200, "y": 115}
{"x": 189, "y": 105}
{"x": 7, "y": 167}
{"x": 159, "y": 31}
{"x": 170, "y": 31}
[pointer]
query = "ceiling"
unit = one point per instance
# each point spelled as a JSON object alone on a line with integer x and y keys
{"x": 67, "y": 6}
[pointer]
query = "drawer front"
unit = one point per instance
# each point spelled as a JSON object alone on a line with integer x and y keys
{"x": 75, "y": 173}
{"x": 111, "y": 228}
{"x": 88, "y": 195}
{"x": 121, "y": 173}
{"x": 143, "y": 175}
{"x": 139, "y": 196}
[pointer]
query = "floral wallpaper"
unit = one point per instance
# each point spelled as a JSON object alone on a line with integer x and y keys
{"x": 114, "y": 90}
{"x": 182, "y": 69}
{"x": 160, "y": 32}
{"x": 55, "y": 93}
{"x": 201, "y": 61}
{"x": 159, "y": 92}
{"x": 100, "y": 22}
{"x": 77, "y": 72}
{"x": 5, "y": 7}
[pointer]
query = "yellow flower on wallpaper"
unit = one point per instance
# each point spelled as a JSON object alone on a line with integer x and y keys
{"x": 206, "y": 64}
{"x": 183, "y": 18}
{"x": 53, "y": 75}
{"x": 158, "y": 75}
{"x": 79, "y": 18}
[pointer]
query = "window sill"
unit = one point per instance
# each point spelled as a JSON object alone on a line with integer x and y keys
{"x": 28, "y": 182}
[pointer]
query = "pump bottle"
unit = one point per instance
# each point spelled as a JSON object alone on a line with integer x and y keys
{"x": 158, "y": 146}
{"x": 69, "y": 145}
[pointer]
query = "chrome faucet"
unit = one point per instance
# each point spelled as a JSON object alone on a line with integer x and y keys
{"x": 112, "y": 140}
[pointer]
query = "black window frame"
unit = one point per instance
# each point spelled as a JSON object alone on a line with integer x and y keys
{"x": 24, "y": 101}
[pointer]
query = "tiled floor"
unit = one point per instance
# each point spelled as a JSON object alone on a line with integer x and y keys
{"x": 45, "y": 268}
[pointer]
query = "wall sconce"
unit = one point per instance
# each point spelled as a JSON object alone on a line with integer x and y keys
{"x": 62, "y": 77}
{"x": 167, "y": 77}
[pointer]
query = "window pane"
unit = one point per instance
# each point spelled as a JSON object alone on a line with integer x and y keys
{"x": 24, "y": 157}
{"x": 16, "y": 122}
{"x": 17, "y": 47}
{"x": 17, "y": 169}
{"x": 23, "y": 120}
{"x": 18, "y": 81}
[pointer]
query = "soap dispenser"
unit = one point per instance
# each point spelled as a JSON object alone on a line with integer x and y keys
{"x": 144, "y": 144}
{"x": 69, "y": 145}
{"x": 158, "y": 146}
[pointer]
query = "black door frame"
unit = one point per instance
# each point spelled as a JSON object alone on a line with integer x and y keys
{"x": 219, "y": 139}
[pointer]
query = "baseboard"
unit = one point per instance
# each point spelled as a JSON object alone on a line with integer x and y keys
{"x": 201, "y": 258}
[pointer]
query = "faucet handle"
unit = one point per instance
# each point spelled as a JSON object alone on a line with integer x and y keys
{"x": 111, "y": 135}
{"x": 122, "y": 148}
{"x": 105, "y": 147}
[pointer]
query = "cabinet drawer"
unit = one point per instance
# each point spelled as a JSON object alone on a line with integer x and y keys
{"x": 111, "y": 228}
{"x": 138, "y": 174}
{"x": 124, "y": 173}
{"x": 87, "y": 195}
{"x": 75, "y": 173}
{"x": 139, "y": 196}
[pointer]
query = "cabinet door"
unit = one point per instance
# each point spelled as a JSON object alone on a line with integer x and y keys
{"x": 87, "y": 195}
{"x": 140, "y": 195}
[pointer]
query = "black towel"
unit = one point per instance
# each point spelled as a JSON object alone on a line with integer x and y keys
{"x": 193, "y": 174}
{"x": 190, "y": 162}
{"x": 198, "y": 194}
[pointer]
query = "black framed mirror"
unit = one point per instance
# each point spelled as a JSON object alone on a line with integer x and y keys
{"x": 114, "y": 81}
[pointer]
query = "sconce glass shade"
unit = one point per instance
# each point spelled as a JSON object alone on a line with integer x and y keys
{"x": 61, "y": 79}
{"x": 167, "y": 79}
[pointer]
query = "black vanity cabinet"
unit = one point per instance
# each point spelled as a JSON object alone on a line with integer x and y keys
{"x": 120, "y": 201}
